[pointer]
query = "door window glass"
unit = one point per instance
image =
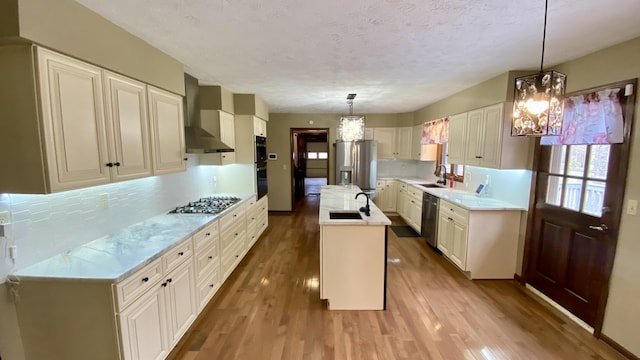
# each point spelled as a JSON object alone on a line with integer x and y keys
{"x": 577, "y": 177}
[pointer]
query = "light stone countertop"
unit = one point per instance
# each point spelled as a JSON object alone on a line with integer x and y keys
{"x": 342, "y": 198}
{"x": 465, "y": 199}
{"x": 114, "y": 257}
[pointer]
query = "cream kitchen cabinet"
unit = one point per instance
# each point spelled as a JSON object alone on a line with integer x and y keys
{"x": 401, "y": 200}
{"x": 167, "y": 131}
{"x": 414, "y": 208}
{"x": 245, "y": 138}
{"x": 385, "y": 198}
{"x": 127, "y": 127}
{"x": 257, "y": 220}
{"x": 222, "y": 125}
{"x": 233, "y": 233}
{"x": 419, "y": 151}
{"x": 482, "y": 137}
{"x": 482, "y": 243}
{"x": 259, "y": 127}
{"x": 368, "y": 133}
{"x": 80, "y": 125}
{"x": 457, "y": 137}
{"x": 393, "y": 143}
{"x": 206, "y": 245}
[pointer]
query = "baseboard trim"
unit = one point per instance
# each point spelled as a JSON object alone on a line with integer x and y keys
{"x": 619, "y": 348}
{"x": 558, "y": 307}
{"x": 517, "y": 278}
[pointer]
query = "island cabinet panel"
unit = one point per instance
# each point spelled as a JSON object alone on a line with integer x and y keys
{"x": 351, "y": 278}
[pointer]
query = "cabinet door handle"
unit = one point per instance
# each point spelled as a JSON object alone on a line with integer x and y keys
{"x": 145, "y": 279}
{"x": 210, "y": 257}
{"x": 236, "y": 234}
{"x": 185, "y": 159}
{"x": 109, "y": 164}
{"x": 208, "y": 234}
{"x": 164, "y": 284}
{"x": 211, "y": 285}
{"x": 450, "y": 218}
{"x": 116, "y": 164}
{"x": 169, "y": 280}
{"x": 181, "y": 253}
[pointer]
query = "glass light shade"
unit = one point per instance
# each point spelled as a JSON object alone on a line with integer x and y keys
{"x": 538, "y": 104}
{"x": 351, "y": 128}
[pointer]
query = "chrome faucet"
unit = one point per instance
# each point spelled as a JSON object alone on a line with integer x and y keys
{"x": 365, "y": 209}
{"x": 443, "y": 180}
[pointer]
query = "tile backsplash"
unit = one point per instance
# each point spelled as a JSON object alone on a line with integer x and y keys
{"x": 405, "y": 168}
{"x": 45, "y": 225}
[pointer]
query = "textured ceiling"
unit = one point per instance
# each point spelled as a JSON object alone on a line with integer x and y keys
{"x": 397, "y": 55}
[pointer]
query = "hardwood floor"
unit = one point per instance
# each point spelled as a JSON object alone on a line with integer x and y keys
{"x": 270, "y": 309}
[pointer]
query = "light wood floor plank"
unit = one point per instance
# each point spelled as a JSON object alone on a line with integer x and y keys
{"x": 270, "y": 308}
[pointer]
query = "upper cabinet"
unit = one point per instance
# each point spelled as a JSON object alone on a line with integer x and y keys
{"x": 482, "y": 137}
{"x": 127, "y": 127}
{"x": 457, "y": 138}
{"x": 75, "y": 125}
{"x": 419, "y": 151}
{"x": 167, "y": 131}
{"x": 393, "y": 143}
{"x": 259, "y": 127}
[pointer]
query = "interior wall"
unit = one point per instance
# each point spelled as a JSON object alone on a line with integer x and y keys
{"x": 618, "y": 63}
{"x": 279, "y": 129}
{"x": 70, "y": 28}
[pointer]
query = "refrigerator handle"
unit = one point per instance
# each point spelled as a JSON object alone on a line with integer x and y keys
{"x": 355, "y": 163}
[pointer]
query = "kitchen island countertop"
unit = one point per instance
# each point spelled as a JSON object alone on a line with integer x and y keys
{"x": 342, "y": 198}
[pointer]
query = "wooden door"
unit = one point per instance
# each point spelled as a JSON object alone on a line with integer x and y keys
{"x": 128, "y": 127}
{"x": 579, "y": 192}
{"x": 167, "y": 131}
{"x": 73, "y": 122}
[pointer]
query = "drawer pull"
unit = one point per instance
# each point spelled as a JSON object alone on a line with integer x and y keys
{"x": 237, "y": 256}
{"x": 181, "y": 253}
{"x": 210, "y": 257}
{"x": 450, "y": 218}
{"x": 211, "y": 285}
{"x": 208, "y": 234}
{"x": 169, "y": 280}
{"x": 164, "y": 284}
{"x": 235, "y": 215}
{"x": 145, "y": 279}
{"x": 236, "y": 234}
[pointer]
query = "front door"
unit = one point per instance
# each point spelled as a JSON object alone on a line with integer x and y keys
{"x": 579, "y": 192}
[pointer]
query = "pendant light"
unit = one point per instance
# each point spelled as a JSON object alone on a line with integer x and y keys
{"x": 538, "y": 100}
{"x": 351, "y": 126}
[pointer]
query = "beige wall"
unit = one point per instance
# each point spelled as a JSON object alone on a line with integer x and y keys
{"x": 70, "y": 28}
{"x": 622, "y": 318}
{"x": 279, "y": 142}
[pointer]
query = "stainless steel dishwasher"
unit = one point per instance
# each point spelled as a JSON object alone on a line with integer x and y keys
{"x": 429, "y": 229}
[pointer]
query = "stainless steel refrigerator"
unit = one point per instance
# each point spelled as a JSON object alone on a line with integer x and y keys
{"x": 356, "y": 163}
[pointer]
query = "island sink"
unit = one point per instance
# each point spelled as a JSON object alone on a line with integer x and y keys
{"x": 345, "y": 215}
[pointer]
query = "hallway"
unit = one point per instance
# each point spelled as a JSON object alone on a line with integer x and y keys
{"x": 269, "y": 308}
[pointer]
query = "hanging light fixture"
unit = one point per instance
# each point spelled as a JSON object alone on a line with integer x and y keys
{"x": 351, "y": 126}
{"x": 538, "y": 100}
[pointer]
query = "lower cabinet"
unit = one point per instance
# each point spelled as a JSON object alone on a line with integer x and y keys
{"x": 482, "y": 243}
{"x": 153, "y": 324}
{"x": 143, "y": 316}
{"x": 414, "y": 208}
{"x": 385, "y": 197}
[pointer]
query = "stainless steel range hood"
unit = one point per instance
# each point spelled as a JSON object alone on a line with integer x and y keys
{"x": 198, "y": 140}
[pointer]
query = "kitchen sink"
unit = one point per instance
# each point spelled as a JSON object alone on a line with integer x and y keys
{"x": 431, "y": 185}
{"x": 345, "y": 215}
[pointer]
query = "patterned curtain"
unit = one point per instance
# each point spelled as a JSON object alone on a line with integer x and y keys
{"x": 594, "y": 118}
{"x": 435, "y": 132}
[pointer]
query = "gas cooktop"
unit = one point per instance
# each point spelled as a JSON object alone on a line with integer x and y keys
{"x": 207, "y": 205}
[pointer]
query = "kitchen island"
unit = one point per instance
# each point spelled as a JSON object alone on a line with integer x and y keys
{"x": 353, "y": 252}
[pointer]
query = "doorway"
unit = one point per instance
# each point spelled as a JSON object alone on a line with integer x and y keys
{"x": 578, "y": 205}
{"x": 309, "y": 162}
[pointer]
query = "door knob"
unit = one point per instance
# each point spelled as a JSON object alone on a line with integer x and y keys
{"x": 602, "y": 227}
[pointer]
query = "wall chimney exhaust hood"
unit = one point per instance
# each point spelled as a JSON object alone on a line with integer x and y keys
{"x": 197, "y": 139}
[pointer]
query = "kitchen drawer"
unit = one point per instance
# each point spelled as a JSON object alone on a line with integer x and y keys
{"x": 231, "y": 257}
{"x": 402, "y": 186}
{"x": 206, "y": 236}
{"x": 208, "y": 286}
{"x": 236, "y": 215}
{"x": 176, "y": 256}
{"x": 135, "y": 285}
{"x": 262, "y": 205}
{"x": 230, "y": 235}
{"x": 205, "y": 259}
{"x": 454, "y": 211}
{"x": 414, "y": 193}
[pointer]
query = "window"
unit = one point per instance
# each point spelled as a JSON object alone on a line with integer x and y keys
{"x": 456, "y": 170}
{"x": 577, "y": 177}
{"x": 317, "y": 155}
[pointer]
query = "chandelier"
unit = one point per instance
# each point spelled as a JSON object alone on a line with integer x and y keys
{"x": 351, "y": 126}
{"x": 538, "y": 100}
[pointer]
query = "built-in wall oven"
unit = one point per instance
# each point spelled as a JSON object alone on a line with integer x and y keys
{"x": 429, "y": 229}
{"x": 261, "y": 166}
